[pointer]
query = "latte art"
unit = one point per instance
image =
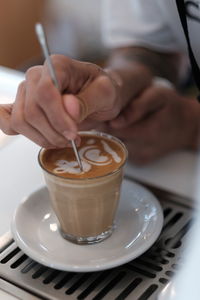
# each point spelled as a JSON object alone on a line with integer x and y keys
{"x": 71, "y": 167}
{"x": 100, "y": 155}
{"x": 89, "y": 155}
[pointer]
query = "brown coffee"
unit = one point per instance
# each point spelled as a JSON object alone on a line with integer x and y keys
{"x": 85, "y": 202}
{"x": 99, "y": 156}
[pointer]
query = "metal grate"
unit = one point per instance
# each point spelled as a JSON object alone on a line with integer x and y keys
{"x": 141, "y": 279}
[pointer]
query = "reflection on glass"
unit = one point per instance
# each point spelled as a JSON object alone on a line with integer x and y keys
{"x": 53, "y": 227}
{"x": 47, "y": 216}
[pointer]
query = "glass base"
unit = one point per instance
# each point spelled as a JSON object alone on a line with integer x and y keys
{"x": 88, "y": 240}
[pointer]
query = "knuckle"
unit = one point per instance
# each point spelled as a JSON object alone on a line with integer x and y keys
{"x": 16, "y": 124}
{"x": 21, "y": 86}
{"x": 106, "y": 86}
{"x": 30, "y": 115}
{"x": 43, "y": 93}
{"x": 20, "y": 91}
{"x": 60, "y": 62}
{"x": 33, "y": 72}
{"x": 59, "y": 59}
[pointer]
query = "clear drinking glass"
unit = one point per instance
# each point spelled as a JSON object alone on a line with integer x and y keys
{"x": 86, "y": 207}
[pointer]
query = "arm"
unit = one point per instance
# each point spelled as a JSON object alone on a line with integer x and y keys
{"x": 158, "y": 120}
{"x": 91, "y": 96}
{"x": 134, "y": 68}
{"x": 50, "y": 117}
{"x": 138, "y": 62}
{"x": 46, "y": 117}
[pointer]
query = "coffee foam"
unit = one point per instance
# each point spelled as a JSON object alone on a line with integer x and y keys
{"x": 99, "y": 156}
{"x": 89, "y": 155}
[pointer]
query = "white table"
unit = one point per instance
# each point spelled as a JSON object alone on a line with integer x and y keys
{"x": 19, "y": 172}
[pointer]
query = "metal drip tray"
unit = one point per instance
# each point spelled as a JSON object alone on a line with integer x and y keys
{"x": 141, "y": 279}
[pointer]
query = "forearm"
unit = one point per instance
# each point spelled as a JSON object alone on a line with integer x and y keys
{"x": 166, "y": 65}
{"x": 136, "y": 67}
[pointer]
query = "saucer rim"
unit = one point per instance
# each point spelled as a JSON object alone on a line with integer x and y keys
{"x": 38, "y": 257}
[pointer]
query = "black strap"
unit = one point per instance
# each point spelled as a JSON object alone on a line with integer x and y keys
{"x": 195, "y": 68}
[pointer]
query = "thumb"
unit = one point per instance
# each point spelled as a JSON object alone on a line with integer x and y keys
{"x": 98, "y": 98}
{"x": 5, "y": 119}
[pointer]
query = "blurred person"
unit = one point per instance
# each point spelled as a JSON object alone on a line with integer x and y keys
{"x": 136, "y": 97}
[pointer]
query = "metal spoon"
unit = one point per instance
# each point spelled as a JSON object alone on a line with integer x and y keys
{"x": 44, "y": 45}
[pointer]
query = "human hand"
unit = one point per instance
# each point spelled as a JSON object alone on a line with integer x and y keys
{"x": 5, "y": 113}
{"x": 159, "y": 121}
{"x": 49, "y": 117}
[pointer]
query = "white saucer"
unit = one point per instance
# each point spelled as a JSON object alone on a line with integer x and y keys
{"x": 138, "y": 224}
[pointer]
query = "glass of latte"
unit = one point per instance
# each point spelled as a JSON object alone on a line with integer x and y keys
{"x": 85, "y": 202}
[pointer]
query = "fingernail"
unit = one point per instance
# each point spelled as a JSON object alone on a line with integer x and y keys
{"x": 69, "y": 135}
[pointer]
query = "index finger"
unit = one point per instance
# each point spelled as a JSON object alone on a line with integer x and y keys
{"x": 49, "y": 99}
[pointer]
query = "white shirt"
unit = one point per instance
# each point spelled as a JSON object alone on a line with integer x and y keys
{"x": 150, "y": 23}
{"x": 74, "y": 28}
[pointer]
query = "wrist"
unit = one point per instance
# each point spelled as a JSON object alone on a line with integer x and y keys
{"x": 130, "y": 81}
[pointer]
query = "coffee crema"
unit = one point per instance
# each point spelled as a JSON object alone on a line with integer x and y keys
{"x": 99, "y": 156}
